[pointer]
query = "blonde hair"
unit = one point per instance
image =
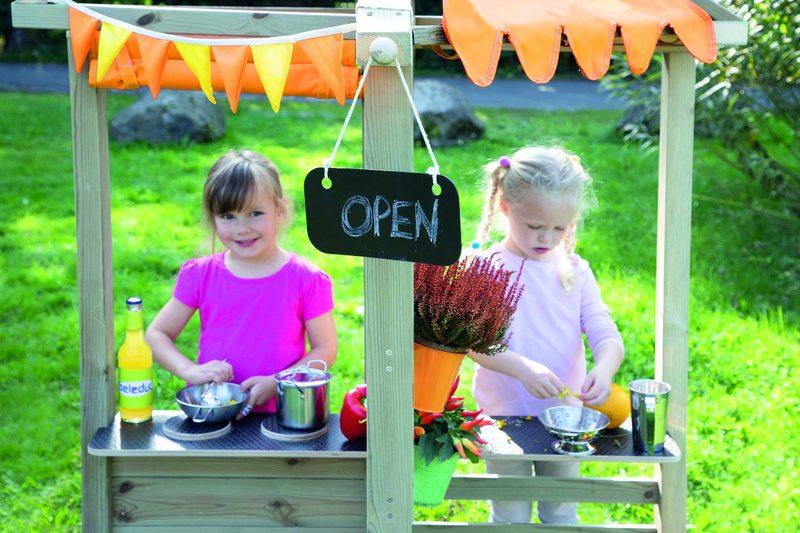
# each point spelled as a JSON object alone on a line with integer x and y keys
{"x": 234, "y": 179}
{"x": 545, "y": 172}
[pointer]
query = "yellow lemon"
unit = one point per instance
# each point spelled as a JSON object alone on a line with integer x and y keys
{"x": 617, "y": 408}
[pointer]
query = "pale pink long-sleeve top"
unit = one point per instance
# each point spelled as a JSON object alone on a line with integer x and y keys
{"x": 547, "y": 328}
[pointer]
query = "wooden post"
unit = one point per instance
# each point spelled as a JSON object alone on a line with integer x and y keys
{"x": 95, "y": 291}
{"x": 388, "y": 321}
{"x": 672, "y": 271}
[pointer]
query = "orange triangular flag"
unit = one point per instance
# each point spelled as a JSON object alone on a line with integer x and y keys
{"x": 325, "y": 54}
{"x": 82, "y": 28}
{"x": 154, "y": 57}
{"x": 231, "y": 61}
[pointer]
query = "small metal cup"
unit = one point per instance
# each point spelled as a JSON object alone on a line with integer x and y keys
{"x": 649, "y": 415}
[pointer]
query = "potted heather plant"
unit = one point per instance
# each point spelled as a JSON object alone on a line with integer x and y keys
{"x": 461, "y": 307}
{"x": 439, "y": 440}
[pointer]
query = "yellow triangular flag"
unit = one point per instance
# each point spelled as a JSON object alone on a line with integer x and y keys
{"x": 272, "y": 64}
{"x": 112, "y": 39}
{"x": 198, "y": 59}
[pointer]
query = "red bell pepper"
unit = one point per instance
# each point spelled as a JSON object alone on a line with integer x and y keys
{"x": 353, "y": 418}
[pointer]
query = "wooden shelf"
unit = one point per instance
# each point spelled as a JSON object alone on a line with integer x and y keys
{"x": 244, "y": 440}
{"x": 527, "y": 438}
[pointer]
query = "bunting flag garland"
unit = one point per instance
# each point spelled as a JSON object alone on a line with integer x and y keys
{"x": 272, "y": 64}
{"x": 198, "y": 59}
{"x": 112, "y": 39}
{"x": 82, "y": 28}
{"x": 231, "y": 61}
{"x": 322, "y": 50}
{"x": 154, "y": 56}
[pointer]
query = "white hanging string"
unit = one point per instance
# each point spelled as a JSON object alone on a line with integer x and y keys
{"x": 433, "y": 171}
{"x": 234, "y": 41}
{"x": 328, "y": 162}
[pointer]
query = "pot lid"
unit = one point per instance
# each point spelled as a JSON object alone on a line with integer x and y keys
{"x": 305, "y": 376}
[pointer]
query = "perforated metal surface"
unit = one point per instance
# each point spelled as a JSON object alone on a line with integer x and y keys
{"x": 612, "y": 446}
{"x": 244, "y": 439}
{"x": 273, "y": 430}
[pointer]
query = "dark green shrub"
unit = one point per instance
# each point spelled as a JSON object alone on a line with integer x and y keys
{"x": 749, "y": 99}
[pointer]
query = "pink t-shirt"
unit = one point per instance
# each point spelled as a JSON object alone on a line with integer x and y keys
{"x": 258, "y": 325}
{"x": 547, "y": 327}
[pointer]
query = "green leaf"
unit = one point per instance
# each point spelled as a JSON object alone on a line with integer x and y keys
{"x": 446, "y": 451}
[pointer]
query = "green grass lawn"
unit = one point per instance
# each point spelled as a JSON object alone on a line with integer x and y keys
{"x": 745, "y": 305}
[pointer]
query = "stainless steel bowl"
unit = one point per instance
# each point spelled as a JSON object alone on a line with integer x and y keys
{"x": 230, "y": 402}
{"x": 574, "y": 427}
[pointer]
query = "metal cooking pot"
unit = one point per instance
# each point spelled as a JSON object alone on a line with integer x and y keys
{"x": 303, "y": 396}
{"x": 229, "y": 402}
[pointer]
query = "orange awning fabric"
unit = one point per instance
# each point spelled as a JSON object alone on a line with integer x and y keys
{"x": 475, "y": 29}
{"x": 130, "y": 71}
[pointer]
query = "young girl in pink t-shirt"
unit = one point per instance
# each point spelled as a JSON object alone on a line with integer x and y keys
{"x": 541, "y": 192}
{"x": 257, "y": 301}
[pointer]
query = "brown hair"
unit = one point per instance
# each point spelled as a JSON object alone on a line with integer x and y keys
{"x": 235, "y": 178}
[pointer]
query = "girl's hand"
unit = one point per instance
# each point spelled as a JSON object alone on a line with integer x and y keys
{"x": 216, "y": 371}
{"x": 261, "y": 388}
{"x": 596, "y": 387}
{"x": 540, "y": 381}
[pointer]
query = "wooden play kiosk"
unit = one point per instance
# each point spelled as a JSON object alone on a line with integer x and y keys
{"x": 137, "y": 479}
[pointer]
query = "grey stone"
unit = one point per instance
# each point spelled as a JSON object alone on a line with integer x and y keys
{"x": 446, "y": 114}
{"x": 174, "y": 116}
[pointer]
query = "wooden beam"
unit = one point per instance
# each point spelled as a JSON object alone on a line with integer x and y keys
{"x": 231, "y": 502}
{"x": 551, "y": 489}
{"x": 217, "y": 529}
{"x": 434, "y": 527}
{"x": 672, "y": 270}
{"x": 239, "y": 467}
{"x": 95, "y": 290}
{"x": 186, "y": 20}
{"x": 388, "y": 317}
{"x": 272, "y": 21}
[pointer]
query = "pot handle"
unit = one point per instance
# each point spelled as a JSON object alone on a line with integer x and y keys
{"x": 320, "y": 361}
{"x": 197, "y": 419}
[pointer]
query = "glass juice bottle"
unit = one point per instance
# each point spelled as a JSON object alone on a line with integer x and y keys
{"x": 135, "y": 361}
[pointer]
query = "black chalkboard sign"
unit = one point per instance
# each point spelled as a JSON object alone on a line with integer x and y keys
{"x": 385, "y": 214}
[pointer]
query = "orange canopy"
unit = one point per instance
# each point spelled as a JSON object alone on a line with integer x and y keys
{"x": 475, "y": 29}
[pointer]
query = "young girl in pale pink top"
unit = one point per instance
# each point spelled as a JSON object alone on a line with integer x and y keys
{"x": 540, "y": 191}
{"x": 257, "y": 301}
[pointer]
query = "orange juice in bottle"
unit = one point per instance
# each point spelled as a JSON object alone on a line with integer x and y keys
{"x": 135, "y": 362}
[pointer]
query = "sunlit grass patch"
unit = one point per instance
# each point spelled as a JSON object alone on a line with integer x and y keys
{"x": 743, "y": 321}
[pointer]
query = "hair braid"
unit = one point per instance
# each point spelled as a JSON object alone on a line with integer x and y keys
{"x": 494, "y": 174}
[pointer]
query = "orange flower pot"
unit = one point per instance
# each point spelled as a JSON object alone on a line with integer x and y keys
{"x": 435, "y": 369}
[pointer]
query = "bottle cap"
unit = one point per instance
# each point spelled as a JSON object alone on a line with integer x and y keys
{"x": 133, "y": 300}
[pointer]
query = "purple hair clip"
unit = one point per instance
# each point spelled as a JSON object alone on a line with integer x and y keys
{"x": 505, "y": 162}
